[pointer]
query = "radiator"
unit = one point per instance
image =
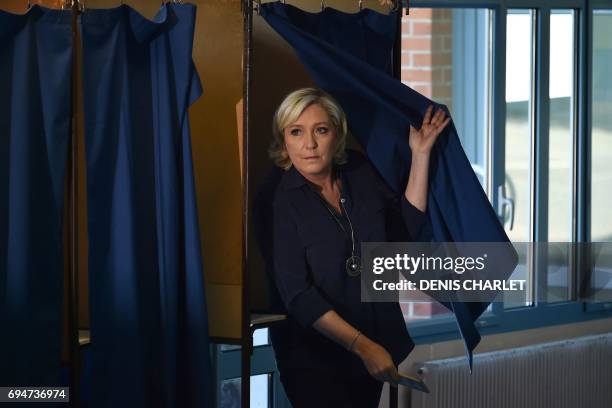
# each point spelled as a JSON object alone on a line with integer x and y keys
{"x": 574, "y": 373}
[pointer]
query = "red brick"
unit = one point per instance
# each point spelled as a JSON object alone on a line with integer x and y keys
{"x": 439, "y": 27}
{"x": 416, "y": 75}
{"x": 441, "y": 14}
{"x": 437, "y": 43}
{"x": 422, "y": 309}
{"x": 442, "y": 91}
{"x": 428, "y": 309}
{"x": 406, "y": 60}
{"x": 447, "y": 74}
{"x": 437, "y": 75}
{"x": 448, "y": 102}
{"x": 448, "y": 43}
{"x": 416, "y": 44}
{"x": 421, "y": 13}
{"x": 441, "y": 58}
{"x": 424, "y": 90}
{"x": 406, "y": 27}
{"x": 421, "y": 60}
{"x": 421, "y": 28}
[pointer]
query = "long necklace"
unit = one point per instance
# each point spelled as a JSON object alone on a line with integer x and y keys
{"x": 353, "y": 263}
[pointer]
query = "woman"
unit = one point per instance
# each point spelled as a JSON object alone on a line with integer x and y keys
{"x": 334, "y": 350}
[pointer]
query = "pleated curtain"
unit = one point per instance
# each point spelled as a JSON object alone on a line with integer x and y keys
{"x": 148, "y": 314}
{"x": 149, "y": 324}
{"x": 35, "y": 115}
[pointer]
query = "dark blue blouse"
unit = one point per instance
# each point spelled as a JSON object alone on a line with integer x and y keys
{"x": 306, "y": 250}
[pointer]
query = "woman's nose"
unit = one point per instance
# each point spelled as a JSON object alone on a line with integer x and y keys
{"x": 309, "y": 141}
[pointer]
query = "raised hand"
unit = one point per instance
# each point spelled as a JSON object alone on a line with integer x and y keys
{"x": 422, "y": 140}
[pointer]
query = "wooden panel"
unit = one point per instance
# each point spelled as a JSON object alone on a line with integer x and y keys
{"x": 276, "y": 72}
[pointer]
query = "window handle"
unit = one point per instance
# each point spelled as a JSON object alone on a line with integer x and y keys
{"x": 502, "y": 202}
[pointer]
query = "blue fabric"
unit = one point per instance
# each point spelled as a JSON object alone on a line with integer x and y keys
{"x": 35, "y": 66}
{"x": 149, "y": 323}
{"x": 349, "y": 56}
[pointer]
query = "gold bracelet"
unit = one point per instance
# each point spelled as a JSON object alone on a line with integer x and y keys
{"x": 354, "y": 340}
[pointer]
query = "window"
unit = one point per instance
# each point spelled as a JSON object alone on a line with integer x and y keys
{"x": 526, "y": 139}
{"x": 561, "y": 153}
{"x": 601, "y": 133}
{"x": 260, "y": 392}
{"x": 601, "y": 156}
{"x": 265, "y": 386}
{"x": 519, "y": 138}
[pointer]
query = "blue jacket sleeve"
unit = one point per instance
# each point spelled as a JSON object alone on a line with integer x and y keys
{"x": 414, "y": 222}
{"x": 291, "y": 272}
{"x": 417, "y": 222}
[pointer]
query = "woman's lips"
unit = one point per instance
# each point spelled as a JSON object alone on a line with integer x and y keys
{"x": 311, "y": 157}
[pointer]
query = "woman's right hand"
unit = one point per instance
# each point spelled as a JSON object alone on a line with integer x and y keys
{"x": 377, "y": 360}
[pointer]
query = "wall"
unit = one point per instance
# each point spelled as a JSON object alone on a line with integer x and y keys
{"x": 427, "y": 53}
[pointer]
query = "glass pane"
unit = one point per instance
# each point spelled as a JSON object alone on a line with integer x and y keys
{"x": 519, "y": 94}
{"x": 260, "y": 392}
{"x": 601, "y": 153}
{"x": 228, "y": 347}
{"x": 561, "y": 163}
{"x": 600, "y": 279}
{"x": 601, "y": 133}
{"x": 260, "y": 337}
{"x": 446, "y": 57}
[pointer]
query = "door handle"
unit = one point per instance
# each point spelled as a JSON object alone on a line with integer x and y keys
{"x": 502, "y": 202}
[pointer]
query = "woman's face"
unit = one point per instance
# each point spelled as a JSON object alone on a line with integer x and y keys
{"x": 311, "y": 141}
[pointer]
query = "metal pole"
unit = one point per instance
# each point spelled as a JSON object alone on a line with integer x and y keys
{"x": 397, "y": 73}
{"x": 73, "y": 303}
{"x": 247, "y": 341}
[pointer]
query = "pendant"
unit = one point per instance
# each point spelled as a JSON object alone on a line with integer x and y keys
{"x": 353, "y": 266}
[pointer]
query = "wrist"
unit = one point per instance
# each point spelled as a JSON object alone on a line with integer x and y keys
{"x": 421, "y": 156}
{"x": 352, "y": 343}
{"x": 360, "y": 346}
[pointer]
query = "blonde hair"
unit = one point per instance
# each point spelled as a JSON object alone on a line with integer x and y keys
{"x": 291, "y": 108}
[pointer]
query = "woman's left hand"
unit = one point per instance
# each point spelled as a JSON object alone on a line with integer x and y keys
{"x": 422, "y": 140}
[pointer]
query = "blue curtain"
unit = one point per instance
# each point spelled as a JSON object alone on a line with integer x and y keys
{"x": 350, "y": 55}
{"x": 35, "y": 89}
{"x": 149, "y": 324}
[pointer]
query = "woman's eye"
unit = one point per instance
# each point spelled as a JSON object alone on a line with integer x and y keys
{"x": 294, "y": 132}
{"x": 322, "y": 129}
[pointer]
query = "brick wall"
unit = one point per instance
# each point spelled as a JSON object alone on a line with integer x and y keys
{"x": 422, "y": 310}
{"x": 427, "y": 53}
{"x": 416, "y": 306}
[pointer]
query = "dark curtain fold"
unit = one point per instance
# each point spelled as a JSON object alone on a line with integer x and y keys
{"x": 149, "y": 323}
{"x": 35, "y": 89}
{"x": 349, "y": 56}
